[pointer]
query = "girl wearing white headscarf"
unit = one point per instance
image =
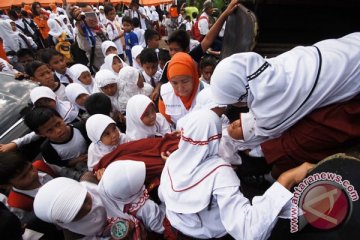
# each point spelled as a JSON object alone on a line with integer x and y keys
{"x": 77, "y": 95}
{"x": 133, "y": 84}
{"x": 105, "y": 48}
{"x": 81, "y": 74}
{"x": 55, "y": 30}
{"x": 126, "y": 193}
{"x": 66, "y": 26}
{"x": 142, "y": 120}
{"x": 197, "y": 215}
{"x": 135, "y": 52}
{"x": 13, "y": 39}
{"x": 95, "y": 127}
{"x": 67, "y": 110}
{"x": 114, "y": 63}
{"x": 282, "y": 90}
{"x": 61, "y": 200}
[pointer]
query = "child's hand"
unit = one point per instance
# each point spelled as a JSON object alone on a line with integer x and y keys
{"x": 121, "y": 118}
{"x": 231, "y": 7}
{"x": 8, "y": 147}
{"x": 155, "y": 94}
{"x": 294, "y": 176}
{"x": 165, "y": 155}
{"x": 99, "y": 173}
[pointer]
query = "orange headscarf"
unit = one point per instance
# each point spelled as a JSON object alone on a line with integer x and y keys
{"x": 182, "y": 64}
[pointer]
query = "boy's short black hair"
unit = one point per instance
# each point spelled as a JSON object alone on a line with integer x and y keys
{"x": 126, "y": 19}
{"x": 208, "y": 61}
{"x": 187, "y": 17}
{"x": 108, "y": 8}
{"x": 150, "y": 34}
{"x": 136, "y": 22}
{"x": 148, "y": 55}
{"x": 11, "y": 165}
{"x": 38, "y": 117}
{"x": 30, "y": 68}
{"x": 83, "y": 5}
{"x": 194, "y": 15}
{"x": 164, "y": 55}
{"x": 98, "y": 103}
{"x": 25, "y": 52}
{"x": 12, "y": 14}
{"x": 47, "y": 55}
{"x": 180, "y": 37}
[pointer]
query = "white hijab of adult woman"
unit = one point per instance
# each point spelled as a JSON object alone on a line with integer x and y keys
{"x": 11, "y": 39}
{"x": 108, "y": 61}
{"x": 282, "y": 90}
{"x": 105, "y": 77}
{"x": 73, "y": 91}
{"x": 135, "y": 128}
{"x": 55, "y": 28}
{"x": 76, "y": 70}
{"x": 122, "y": 183}
{"x": 135, "y": 52}
{"x": 59, "y": 201}
{"x": 67, "y": 110}
{"x": 129, "y": 77}
{"x": 95, "y": 127}
{"x": 182, "y": 180}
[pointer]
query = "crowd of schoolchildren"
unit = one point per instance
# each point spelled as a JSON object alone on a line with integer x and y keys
{"x": 135, "y": 144}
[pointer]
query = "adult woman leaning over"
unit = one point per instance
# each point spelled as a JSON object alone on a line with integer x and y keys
{"x": 178, "y": 96}
{"x": 40, "y": 18}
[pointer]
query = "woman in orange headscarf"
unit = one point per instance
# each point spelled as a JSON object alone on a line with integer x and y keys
{"x": 40, "y": 18}
{"x": 177, "y": 97}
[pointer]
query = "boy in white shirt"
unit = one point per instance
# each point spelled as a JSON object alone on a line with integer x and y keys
{"x": 113, "y": 29}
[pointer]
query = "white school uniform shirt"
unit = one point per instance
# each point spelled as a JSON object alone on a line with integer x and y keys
{"x": 8, "y": 68}
{"x": 203, "y": 24}
{"x": 156, "y": 77}
{"x": 198, "y": 215}
{"x": 135, "y": 128}
{"x": 282, "y": 90}
{"x": 140, "y": 33}
{"x": 60, "y": 92}
{"x": 22, "y": 25}
{"x": 63, "y": 79}
{"x": 118, "y": 190}
{"x": 112, "y": 28}
{"x": 134, "y": 14}
{"x": 102, "y": 18}
{"x": 173, "y": 104}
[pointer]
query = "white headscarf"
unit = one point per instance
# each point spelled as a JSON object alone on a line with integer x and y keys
{"x": 105, "y": 45}
{"x": 105, "y": 77}
{"x": 129, "y": 77}
{"x": 108, "y": 61}
{"x": 11, "y": 39}
{"x": 55, "y": 28}
{"x": 135, "y": 128}
{"x": 76, "y": 70}
{"x": 182, "y": 180}
{"x": 281, "y": 89}
{"x": 122, "y": 183}
{"x": 67, "y": 110}
{"x": 72, "y": 91}
{"x": 95, "y": 127}
{"x": 135, "y": 52}
{"x": 59, "y": 201}
{"x": 66, "y": 26}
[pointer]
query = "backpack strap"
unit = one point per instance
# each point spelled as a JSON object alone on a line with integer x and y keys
{"x": 20, "y": 200}
{"x": 43, "y": 167}
{"x": 23, "y": 37}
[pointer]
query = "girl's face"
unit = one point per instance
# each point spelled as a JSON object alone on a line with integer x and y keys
{"x": 81, "y": 99}
{"x": 116, "y": 65}
{"x": 110, "y": 89}
{"x": 183, "y": 85}
{"x": 149, "y": 116}
{"x": 46, "y": 102}
{"x": 111, "y": 135}
{"x": 85, "y": 78}
{"x": 111, "y": 50}
{"x": 44, "y": 76}
{"x": 235, "y": 130}
{"x": 207, "y": 72}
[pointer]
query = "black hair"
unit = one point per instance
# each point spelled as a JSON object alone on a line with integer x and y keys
{"x": 10, "y": 224}
{"x": 11, "y": 165}
{"x": 1, "y": 12}
{"x": 150, "y": 34}
{"x": 98, "y": 103}
{"x": 207, "y": 61}
{"x": 39, "y": 116}
{"x": 30, "y": 68}
{"x": 24, "y": 13}
{"x": 164, "y": 55}
{"x": 148, "y": 55}
{"x": 181, "y": 37}
{"x": 47, "y": 55}
{"x": 136, "y": 22}
{"x": 25, "y": 52}
{"x": 107, "y": 9}
{"x": 83, "y": 5}
{"x": 126, "y": 19}
{"x": 187, "y": 17}
{"x": 194, "y": 15}
{"x": 33, "y": 8}
{"x": 12, "y": 14}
